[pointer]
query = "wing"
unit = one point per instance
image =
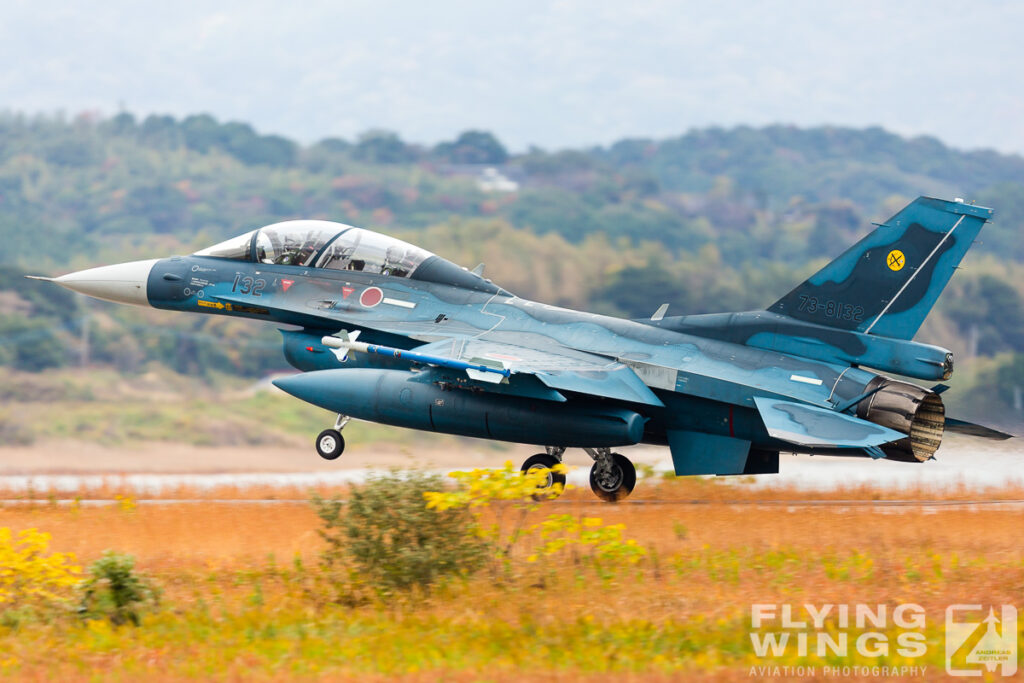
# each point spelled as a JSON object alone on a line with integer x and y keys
{"x": 813, "y": 427}
{"x": 556, "y": 367}
{"x": 544, "y": 367}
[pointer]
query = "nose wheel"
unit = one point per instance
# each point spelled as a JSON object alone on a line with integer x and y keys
{"x": 330, "y": 443}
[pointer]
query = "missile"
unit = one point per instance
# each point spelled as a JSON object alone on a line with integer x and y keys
{"x": 479, "y": 370}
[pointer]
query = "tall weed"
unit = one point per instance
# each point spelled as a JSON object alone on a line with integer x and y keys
{"x": 386, "y": 538}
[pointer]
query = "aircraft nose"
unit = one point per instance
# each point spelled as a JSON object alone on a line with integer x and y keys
{"x": 124, "y": 283}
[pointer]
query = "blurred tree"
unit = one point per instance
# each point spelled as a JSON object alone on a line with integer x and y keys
{"x": 74, "y": 152}
{"x": 30, "y": 344}
{"x": 836, "y": 225}
{"x": 382, "y": 147}
{"x": 636, "y": 292}
{"x": 772, "y": 201}
{"x": 989, "y": 311}
{"x": 201, "y": 132}
{"x": 271, "y": 150}
{"x": 327, "y": 156}
{"x": 160, "y": 131}
{"x": 334, "y": 145}
{"x": 41, "y": 300}
{"x": 472, "y": 147}
{"x": 120, "y": 124}
{"x": 165, "y": 207}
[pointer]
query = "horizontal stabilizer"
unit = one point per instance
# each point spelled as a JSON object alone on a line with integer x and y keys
{"x": 972, "y": 429}
{"x": 813, "y": 427}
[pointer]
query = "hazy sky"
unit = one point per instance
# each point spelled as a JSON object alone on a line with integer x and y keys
{"x": 554, "y": 74}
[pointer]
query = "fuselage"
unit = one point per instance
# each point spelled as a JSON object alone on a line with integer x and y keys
{"x": 704, "y": 383}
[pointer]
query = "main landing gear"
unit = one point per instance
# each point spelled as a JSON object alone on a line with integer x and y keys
{"x": 612, "y": 477}
{"x": 330, "y": 443}
{"x": 547, "y": 460}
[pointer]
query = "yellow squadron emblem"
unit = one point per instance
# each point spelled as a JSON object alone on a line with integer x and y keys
{"x": 895, "y": 260}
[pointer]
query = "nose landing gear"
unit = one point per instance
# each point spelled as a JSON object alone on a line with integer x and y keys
{"x": 330, "y": 443}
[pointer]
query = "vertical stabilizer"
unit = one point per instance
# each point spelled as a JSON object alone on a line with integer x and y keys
{"x": 888, "y": 282}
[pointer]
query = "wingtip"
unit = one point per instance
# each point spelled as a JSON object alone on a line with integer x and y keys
{"x": 41, "y": 277}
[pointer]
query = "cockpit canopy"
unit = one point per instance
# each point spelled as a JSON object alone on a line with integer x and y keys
{"x": 323, "y": 244}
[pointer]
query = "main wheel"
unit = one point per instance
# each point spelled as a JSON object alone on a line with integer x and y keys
{"x": 615, "y": 481}
{"x": 330, "y": 444}
{"x": 548, "y": 462}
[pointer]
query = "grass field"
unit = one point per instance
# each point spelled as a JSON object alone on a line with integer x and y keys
{"x": 104, "y": 407}
{"x": 243, "y": 597}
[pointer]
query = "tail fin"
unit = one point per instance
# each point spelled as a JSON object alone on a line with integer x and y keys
{"x": 888, "y": 282}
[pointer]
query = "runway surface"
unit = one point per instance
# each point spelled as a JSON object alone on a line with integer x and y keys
{"x": 922, "y": 505}
{"x": 961, "y": 463}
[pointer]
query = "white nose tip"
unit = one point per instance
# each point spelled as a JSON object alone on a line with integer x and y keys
{"x": 124, "y": 283}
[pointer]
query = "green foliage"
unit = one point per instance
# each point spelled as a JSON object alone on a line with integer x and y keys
{"x": 382, "y": 147}
{"x": 115, "y": 591}
{"x": 716, "y": 219}
{"x": 30, "y": 344}
{"x": 635, "y": 292}
{"x": 389, "y": 540}
{"x": 995, "y": 395}
{"x": 989, "y": 310}
{"x": 472, "y": 147}
{"x": 55, "y": 303}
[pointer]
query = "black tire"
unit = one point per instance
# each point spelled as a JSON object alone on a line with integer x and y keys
{"x": 543, "y": 460}
{"x": 619, "y": 484}
{"x": 330, "y": 444}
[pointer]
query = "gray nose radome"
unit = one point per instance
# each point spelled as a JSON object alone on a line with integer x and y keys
{"x": 124, "y": 283}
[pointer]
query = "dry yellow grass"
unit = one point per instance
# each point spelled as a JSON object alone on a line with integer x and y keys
{"x": 169, "y": 537}
{"x": 708, "y": 561}
{"x": 693, "y": 490}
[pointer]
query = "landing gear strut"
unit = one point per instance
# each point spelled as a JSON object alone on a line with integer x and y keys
{"x": 330, "y": 443}
{"x": 612, "y": 476}
{"x": 546, "y": 460}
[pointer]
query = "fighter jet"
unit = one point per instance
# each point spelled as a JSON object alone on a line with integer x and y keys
{"x": 385, "y": 331}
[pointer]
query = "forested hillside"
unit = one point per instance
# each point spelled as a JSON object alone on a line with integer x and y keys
{"x": 716, "y": 219}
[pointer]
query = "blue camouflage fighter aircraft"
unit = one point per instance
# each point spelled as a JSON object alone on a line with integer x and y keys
{"x": 388, "y": 332}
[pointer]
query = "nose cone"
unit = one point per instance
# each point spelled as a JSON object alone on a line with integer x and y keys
{"x": 124, "y": 283}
